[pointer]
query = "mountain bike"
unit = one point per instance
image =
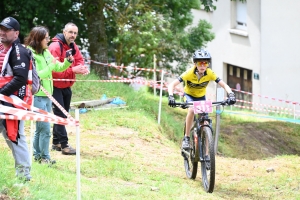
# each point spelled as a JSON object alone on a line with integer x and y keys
{"x": 201, "y": 143}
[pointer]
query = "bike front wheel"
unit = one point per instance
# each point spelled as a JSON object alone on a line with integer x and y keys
{"x": 207, "y": 159}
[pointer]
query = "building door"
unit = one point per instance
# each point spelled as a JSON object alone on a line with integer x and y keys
{"x": 240, "y": 79}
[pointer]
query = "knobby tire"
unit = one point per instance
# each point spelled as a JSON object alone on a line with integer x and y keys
{"x": 208, "y": 173}
{"x": 191, "y": 161}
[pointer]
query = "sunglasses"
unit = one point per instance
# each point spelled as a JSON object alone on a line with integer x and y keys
{"x": 200, "y": 63}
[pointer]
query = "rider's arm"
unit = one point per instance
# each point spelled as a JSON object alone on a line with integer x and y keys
{"x": 225, "y": 86}
{"x": 172, "y": 85}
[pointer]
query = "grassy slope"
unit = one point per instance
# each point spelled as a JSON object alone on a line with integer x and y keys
{"x": 125, "y": 154}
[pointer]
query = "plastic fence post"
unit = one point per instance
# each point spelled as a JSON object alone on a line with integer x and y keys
{"x": 154, "y": 74}
{"x": 160, "y": 95}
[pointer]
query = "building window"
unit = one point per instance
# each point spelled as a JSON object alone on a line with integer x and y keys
{"x": 231, "y": 70}
{"x": 245, "y": 74}
{"x": 241, "y": 15}
{"x": 238, "y": 72}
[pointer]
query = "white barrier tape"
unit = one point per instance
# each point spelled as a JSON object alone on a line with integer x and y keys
{"x": 129, "y": 67}
{"x": 259, "y": 109}
{"x": 12, "y": 99}
{"x": 118, "y": 77}
{"x": 270, "y": 106}
{"x": 150, "y": 82}
{"x": 157, "y": 86}
{"x": 266, "y": 97}
{"x": 144, "y": 82}
{"x": 18, "y": 114}
{"x": 57, "y": 104}
{"x": 139, "y": 81}
{"x": 104, "y": 81}
{"x": 18, "y": 103}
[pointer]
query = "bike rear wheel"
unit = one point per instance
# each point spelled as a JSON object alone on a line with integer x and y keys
{"x": 207, "y": 159}
{"x": 191, "y": 158}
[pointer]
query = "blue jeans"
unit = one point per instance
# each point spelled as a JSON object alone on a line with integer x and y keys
{"x": 42, "y": 132}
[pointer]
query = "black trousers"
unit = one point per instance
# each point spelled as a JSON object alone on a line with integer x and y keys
{"x": 63, "y": 97}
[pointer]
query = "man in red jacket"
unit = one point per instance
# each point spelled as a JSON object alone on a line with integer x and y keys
{"x": 62, "y": 92}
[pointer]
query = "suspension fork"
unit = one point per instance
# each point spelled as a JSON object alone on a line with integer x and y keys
{"x": 201, "y": 153}
{"x": 196, "y": 138}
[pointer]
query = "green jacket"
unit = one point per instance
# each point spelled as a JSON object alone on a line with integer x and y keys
{"x": 45, "y": 66}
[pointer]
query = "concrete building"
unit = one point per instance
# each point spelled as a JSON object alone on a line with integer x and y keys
{"x": 257, "y": 48}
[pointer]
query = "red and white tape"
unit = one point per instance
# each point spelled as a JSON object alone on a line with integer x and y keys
{"x": 260, "y": 109}
{"x": 58, "y": 105}
{"x": 35, "y": 114}
{"x": 264, "y": 105}
{"x": 129, "y": 67}
{"x": 266, "y": 97}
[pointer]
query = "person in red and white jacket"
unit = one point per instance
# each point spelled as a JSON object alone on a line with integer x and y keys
{"x": 15, "y": 65}
{"x": 62, "y": 92}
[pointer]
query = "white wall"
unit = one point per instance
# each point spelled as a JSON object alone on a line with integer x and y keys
{"x": 271, "y": 48}
{"x": 280, "y": 49}
{"x": 228, "y": 48}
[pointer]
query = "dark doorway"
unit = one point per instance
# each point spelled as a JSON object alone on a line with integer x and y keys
{"x": 240, "y": 79}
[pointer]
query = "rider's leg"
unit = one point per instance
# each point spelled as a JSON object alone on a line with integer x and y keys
{"x": 188, "y": 126}
{"x": 189, "y": 121}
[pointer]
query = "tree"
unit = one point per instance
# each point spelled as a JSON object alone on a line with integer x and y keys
{"x": 97, "y": 37}
{"x": 128, "y": 32}
{"x": 144, "y": 28}
{"x": 208, "y": 4}
{"x": 53, "y": 14}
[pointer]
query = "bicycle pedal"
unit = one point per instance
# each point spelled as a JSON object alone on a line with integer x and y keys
{"x": 185, "y": 154}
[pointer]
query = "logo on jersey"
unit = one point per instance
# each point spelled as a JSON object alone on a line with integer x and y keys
{"x": 21, "y": 66}
{"x": 18, "y": 52}
{"x": 197, "y": 86}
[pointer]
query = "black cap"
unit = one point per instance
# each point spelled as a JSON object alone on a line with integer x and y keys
{"x": 11, "y": 23}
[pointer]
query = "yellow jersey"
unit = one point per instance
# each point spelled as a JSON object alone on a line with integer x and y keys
{"x": 193, "y": 85}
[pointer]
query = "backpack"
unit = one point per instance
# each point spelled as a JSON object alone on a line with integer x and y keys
{"x": 36, "y": 82}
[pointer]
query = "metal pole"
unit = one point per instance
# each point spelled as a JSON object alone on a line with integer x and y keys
{"x": 220, "y": 97}
{"x": 78, "y": 156}
{"x": 160, "y": 95}
{"x": 217, "y": 128}
{"x": 154, "y": 74}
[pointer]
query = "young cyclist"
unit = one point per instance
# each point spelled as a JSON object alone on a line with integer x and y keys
{"x": 195, "y": 81}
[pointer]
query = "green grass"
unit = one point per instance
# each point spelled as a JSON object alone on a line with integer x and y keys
{"x": 126, "y": 154}
{"x": 140, "y": 102}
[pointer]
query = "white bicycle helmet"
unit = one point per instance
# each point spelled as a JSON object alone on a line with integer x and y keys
{"x": 201, "y": 54}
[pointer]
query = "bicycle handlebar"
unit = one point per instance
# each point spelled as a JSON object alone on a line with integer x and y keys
{"x": 185, "y": 105}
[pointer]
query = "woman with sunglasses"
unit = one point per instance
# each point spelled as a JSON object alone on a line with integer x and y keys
{"x": 195, "y": 81}
{"x": 37, "y": 41}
